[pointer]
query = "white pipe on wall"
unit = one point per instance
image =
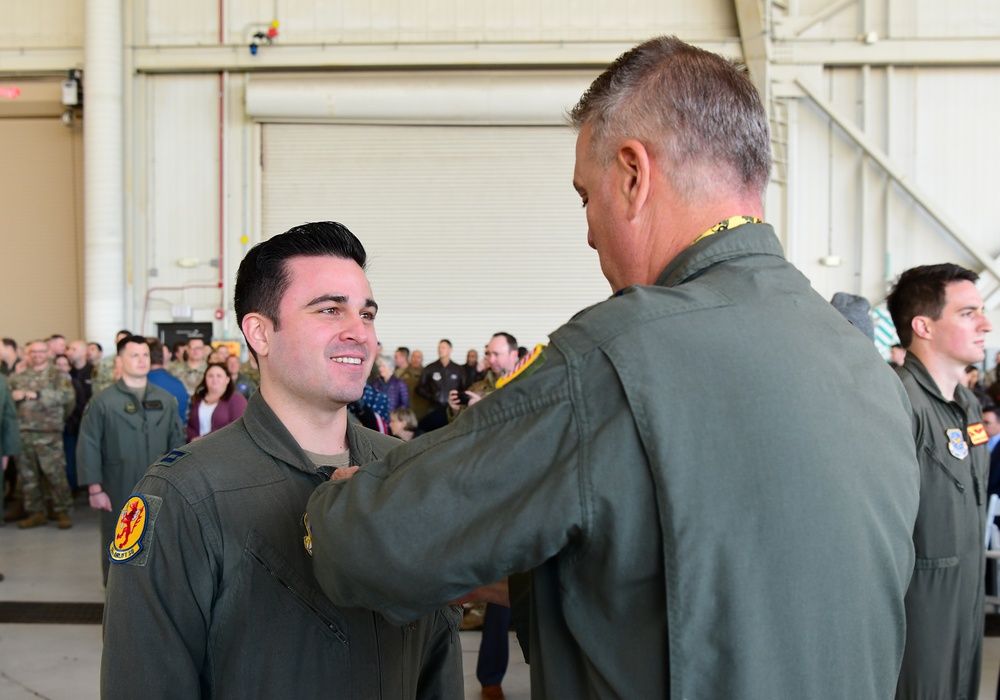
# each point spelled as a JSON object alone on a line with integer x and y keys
{"x": 104, "y": 202}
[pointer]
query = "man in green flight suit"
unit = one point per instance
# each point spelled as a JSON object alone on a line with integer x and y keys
{"x": 679, "y": 546}
{"x": 211, "y": 592}
{"x": 10, "y": 436}
{"x": 125, "y": 428}
{"x": 939, "y": 318}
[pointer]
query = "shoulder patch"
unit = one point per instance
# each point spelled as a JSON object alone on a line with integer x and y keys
{"x": 977, "y": 434}
{"x": 526, "y": 367}
{"x": 172, "y": 457}
{"x": 134, "y": 531}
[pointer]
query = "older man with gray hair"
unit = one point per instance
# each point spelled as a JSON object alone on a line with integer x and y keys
{"x": 679, "y": 546}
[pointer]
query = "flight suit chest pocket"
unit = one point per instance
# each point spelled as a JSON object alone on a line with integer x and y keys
{"x": 292, "y": 598}
{"x": 947, "y": 503}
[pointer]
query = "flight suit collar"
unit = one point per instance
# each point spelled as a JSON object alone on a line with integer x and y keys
{"x": 748, "y": 239}
{"x": 923, "y": 377}
{"x": 273, "y": 437}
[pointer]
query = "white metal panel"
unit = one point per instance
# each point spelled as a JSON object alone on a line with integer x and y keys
{"x": 42, "y": 23}
{"x": 361, "y": 21}
{"x": 181, "y": 22}
{"x": 937, "y": 127}
{"x": 538, "y": 97}
{"x": 966, "y": 18}
{"x": 183, "y": 201}
{"x": 470, "y": 230}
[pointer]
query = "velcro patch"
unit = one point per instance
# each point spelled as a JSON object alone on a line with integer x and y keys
{"x": 977, "y": 434}
{"x": 173, "y": 456}
{"x": 134, "y": 531}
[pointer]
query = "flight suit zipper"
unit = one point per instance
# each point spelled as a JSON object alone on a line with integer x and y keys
{"x": 378, "y": 652}
{"x": 323, "y": 618}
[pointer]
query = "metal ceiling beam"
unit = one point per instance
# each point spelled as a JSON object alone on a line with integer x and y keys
{"x": 897, "y": 174}
{"x": 895, "y": 52}
{"x": 800, "y": 25}
{"x": 756, "y": 45}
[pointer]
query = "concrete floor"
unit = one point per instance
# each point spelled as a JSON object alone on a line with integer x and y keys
{"x": 61, "y": 662}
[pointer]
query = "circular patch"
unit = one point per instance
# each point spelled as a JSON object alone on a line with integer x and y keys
{"x": 129, "y": 530}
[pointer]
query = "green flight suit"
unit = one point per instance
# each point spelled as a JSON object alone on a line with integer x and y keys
{"x": 944, "y": 603}
{"x": 10, "y": 436}
{"x": 120, "y": 437}
{"x": 712, "y": 481}
{"x": 221, "y": 601}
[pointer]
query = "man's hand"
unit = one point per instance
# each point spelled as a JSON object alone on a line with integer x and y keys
{"x": 4, "y": 460}
{"x": 473, "y": 397}
{"x": 343, "y": 473}
{"x": 100, "y": 501}
{"x": 17, "y": 395}
{"x": 453, "y": 403}
{"x": 495, "y": 593}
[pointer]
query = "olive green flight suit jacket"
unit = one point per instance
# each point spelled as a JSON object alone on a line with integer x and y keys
{"x": 944, "y": 603}
{"x": 10, "y": 436}
{"x": 120, "y": 436}
{"x": 712, "y": 481}
{"x": 220, "y": 600}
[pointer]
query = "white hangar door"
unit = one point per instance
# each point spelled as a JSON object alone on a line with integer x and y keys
{"x": 470, "y": 230}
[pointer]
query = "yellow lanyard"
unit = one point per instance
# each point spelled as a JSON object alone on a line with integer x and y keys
{"x": 728, "y": 224}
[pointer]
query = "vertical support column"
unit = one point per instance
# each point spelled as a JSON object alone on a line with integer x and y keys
{"x": 104, "y": 211}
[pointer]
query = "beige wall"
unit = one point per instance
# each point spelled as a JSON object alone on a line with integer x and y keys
{"x": 41, "y": 219}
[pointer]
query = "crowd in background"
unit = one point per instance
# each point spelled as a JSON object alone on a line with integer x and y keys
{"x": 212, "y": 386}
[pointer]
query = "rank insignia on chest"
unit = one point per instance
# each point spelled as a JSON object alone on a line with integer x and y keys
{"x": 307, "y": 539}
{"x": 977, "y": 434}
{"x": 956, "y": 443}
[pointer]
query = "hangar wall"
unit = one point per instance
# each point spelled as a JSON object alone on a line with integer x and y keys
{"x": 880, "y": 111}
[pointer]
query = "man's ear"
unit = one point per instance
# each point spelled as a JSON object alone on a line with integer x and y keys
{"x": 921, "y": 326}
{"x": 257, "y": 330}
{"x": 635, "y": 169}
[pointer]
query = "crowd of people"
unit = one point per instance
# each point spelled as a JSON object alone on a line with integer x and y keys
{"x": 817, "y": 534}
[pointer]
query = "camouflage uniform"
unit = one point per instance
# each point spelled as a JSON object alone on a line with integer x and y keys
{"x": 42, "y": 456}
{"x": 411, "y": 377}
{"x": 191, "y": 377}
{"x": 103, "y": 375}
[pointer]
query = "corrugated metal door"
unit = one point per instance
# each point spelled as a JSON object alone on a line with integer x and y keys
{"x": 469, "y": 230}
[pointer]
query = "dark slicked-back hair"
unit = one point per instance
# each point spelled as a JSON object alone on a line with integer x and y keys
{"x": 262, "y": 279}
{"x": 692, "y": 106}
{"x": 10, "y": 342}
{"x": 920, "y": 291}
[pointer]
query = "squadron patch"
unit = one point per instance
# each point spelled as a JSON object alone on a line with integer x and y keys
{"x": 134, "y": 530}
{"x": 307, "y": 539}
{"x": 956, "y": 443}
{"x": 526, "y": 367}
{"x": 977, "y": 434}
{"x": 130, "y": 407}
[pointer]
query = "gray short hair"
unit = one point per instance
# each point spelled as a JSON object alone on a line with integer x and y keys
{"x": 695, "y": 107}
